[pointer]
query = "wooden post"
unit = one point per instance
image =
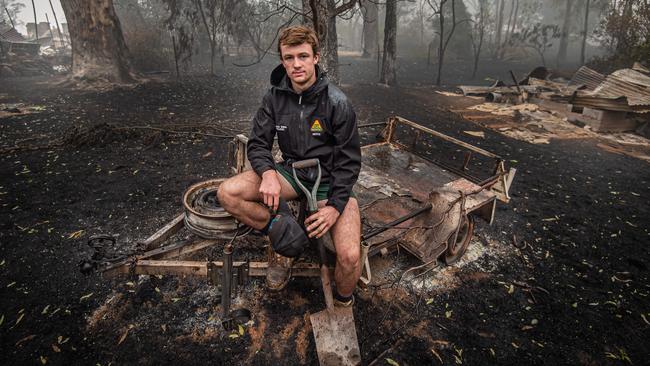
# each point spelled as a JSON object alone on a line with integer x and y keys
{"x": 58, "y": 27}
{"x": 10, "y": 20}
{"x": 50, "y": 28}
{"x": 35, "y": 22}
{"x": 175, "y": 54}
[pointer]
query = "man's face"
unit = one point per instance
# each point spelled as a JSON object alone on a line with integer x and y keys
{"x": 300, "y": 63}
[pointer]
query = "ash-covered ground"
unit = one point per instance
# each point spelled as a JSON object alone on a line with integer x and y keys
{"x": 575, "y": 293}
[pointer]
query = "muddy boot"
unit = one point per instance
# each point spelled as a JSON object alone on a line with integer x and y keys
{"x": 278, "y": 272}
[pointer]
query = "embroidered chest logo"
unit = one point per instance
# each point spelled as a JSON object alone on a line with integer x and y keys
{"x": 316, "y": 127}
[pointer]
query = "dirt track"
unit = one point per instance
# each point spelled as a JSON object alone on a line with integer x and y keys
{"x": 576, "y": 294}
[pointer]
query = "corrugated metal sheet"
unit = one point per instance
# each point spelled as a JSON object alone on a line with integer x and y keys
{"x": 10, "y": 34}
{"x": 633, "y": 85}
{"x": 484, "y": 90}
{"x": 587, "y": 77}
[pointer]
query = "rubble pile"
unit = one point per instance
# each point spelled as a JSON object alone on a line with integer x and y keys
{"x": 22, "y": 57}
{"x": 25, "y": 66}
{"x": 617, "y": 102}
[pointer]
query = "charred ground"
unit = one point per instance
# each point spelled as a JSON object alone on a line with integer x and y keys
{"x": 576, "y": 293}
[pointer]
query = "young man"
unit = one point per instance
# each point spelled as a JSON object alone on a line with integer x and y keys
{"x": 312, "y": 119}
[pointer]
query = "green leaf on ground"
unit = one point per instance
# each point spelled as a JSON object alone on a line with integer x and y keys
{"x": 392, "y": 362}
{"x": 20, "y": 318}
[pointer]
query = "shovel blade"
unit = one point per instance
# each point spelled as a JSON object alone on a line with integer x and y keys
{"x": 336, "y": 337}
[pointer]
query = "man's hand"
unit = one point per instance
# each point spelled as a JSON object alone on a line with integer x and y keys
{"x": 319, "y": 223}
{"x": 270, "y": 189}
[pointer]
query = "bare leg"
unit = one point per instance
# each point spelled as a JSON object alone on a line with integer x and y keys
{"x": 346, "y": 234}
{"x": 240, "y": 196}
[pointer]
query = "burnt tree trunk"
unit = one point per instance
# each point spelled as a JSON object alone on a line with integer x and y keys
{"x": 584, "y": 34}
{"x": 442, "y": 46}
{"x": 99, "y": 52}
{"x": 514, "y": 22}
{"x": 322, "y": 14}
{"x": 564, "y": 36}
{"x": 477, "y": 45}
{"x": 388, "y": 69}
{"x": 331, "y": 56}
{"x": 497, "y": 41}
{"x": 370, "y": 28}
{"x": 211, "y": 31}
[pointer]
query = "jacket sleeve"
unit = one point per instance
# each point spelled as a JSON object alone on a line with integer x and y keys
{"x": 260, "y": 141}
{"x": 347, "y": 156}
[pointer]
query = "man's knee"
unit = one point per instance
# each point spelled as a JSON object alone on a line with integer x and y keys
{"x": 229, "y": 193}
{"x": 349, "y": 258}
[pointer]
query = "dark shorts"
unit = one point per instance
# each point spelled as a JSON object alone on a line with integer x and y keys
{"x": 323, "y": 188}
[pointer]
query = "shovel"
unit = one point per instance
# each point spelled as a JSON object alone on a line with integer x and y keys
{"x": 334, "y": 330}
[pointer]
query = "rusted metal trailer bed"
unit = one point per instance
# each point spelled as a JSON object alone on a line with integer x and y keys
{"x": 398, "y": 178}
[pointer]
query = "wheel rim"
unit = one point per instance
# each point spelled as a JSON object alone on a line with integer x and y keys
{"x": 455, "y": 250}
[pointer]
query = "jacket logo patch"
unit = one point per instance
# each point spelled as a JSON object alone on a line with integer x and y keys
{"x": 280, "y": 128}
{"x": 316, "y": 127}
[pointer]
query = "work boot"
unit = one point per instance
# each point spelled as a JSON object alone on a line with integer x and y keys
{"x": 278, "y": 271}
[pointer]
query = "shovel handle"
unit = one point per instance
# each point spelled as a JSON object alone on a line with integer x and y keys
{"x": 324, "y": 270}
{"x": 311, "y": 196}
{"x": 308, "y": 163}
{"x": 325, "y": 275}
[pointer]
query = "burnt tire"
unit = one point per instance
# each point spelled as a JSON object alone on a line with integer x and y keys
{"x": 456, "y": 250}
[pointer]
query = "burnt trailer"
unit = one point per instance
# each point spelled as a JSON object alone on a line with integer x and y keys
{"x": 418, "y": 188}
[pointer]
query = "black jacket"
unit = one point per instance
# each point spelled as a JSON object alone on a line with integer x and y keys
{"x": 319, "y": 123}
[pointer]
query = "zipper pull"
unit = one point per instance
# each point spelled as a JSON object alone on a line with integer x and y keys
{"x": 300, "y": 99}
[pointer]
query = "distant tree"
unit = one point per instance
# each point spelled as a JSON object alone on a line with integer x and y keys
{"x": 321, "y": 15}
{"x": 13, "y": 8}
{"x": 388, "y": 69}
{"x": 145, "y": 33}
{"x": 625, "y": 31}
{"x": 564, "y": 34}
{"x": 510, "y": 26}
{"x": 585, "y": 28}
{"x": 538, "y": 37}
{"x": 99, "y": 52}
{"x": 444, "y": 36}
{"x": 210, "y": 11}
{"x": 499, "y": 27}
{"x": 182, "y": 21}
{"x": 479, "y": 26}
{"x": 460, "y": 43}
{"x": 370, "y": 15}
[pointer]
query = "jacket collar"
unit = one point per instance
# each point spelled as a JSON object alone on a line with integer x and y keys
{"x": 280, "y": 80}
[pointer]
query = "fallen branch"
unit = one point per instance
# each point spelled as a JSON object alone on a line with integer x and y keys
{"x": 78, "y": 137}
{"x": 173, "y": 131}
